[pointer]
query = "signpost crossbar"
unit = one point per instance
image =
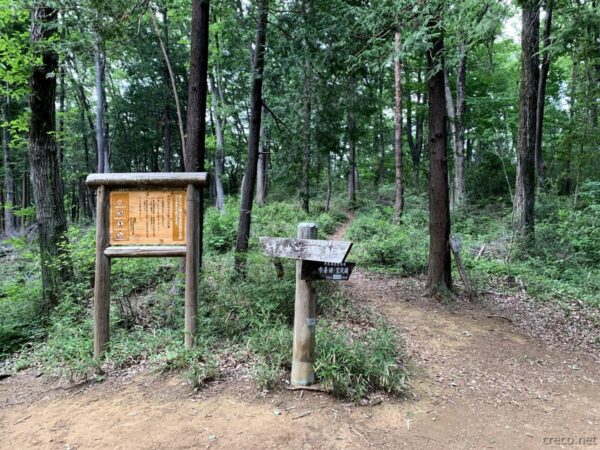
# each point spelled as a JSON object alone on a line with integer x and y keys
{"x": 137, "y": 251}
{"x": 147, "y": 179}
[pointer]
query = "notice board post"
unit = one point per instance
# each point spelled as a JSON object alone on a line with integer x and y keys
{"x": 146, "y": 215}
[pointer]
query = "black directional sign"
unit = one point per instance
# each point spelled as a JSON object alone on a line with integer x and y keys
{"x": 319, "y": 270}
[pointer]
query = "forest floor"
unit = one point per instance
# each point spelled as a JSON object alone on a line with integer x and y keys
{"x": 478, "y": 380}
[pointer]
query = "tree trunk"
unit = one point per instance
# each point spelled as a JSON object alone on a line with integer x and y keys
{"x": 439, "y": 279}
{"x": 414, "y": 155}
{"x": 249, "y": 182}
{"x": 351, "y": 150}
{"x": 306, "y": 134}
{"x": 25, "y": 200}
{"x": 61, "y": 116}
{"x": 194, "y": 151}
{"x": 100, "y": 62}
{"x": 44, "y": 162}
{"x": 329, "y": 183}
{"x": 378, "y": 130}
{"x": 261, "y": 168}
{"x": 167, "y": 97}
{"x": 460, "y": 190}
{"x": 88, "y": 209}
{"x": 420, "y": 117}
{"x": 220, "y": 153}
{"x": 399, "y": 200}
{"x": 523, "y": 208}
{"x": 541, "y": 95}
{"x": 9, "y": 181}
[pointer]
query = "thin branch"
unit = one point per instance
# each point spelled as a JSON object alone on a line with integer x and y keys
{"x": 278, "y": 121}
{"x": 171, "y": 77}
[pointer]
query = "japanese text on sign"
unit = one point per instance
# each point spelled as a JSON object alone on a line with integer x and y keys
{"x": 147, "y": 217}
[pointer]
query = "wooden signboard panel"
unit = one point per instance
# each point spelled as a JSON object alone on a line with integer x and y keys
{"x": 150, "y": 217}
{"x": 306, "y": 249}
{"x": 318, "y": 270}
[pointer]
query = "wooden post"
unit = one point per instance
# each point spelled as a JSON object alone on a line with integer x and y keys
{"x": 304, "y": 319}
{"x": 456, "y": 247}
{"x": 102, "y": 281}
{"x": 192, "y": 264}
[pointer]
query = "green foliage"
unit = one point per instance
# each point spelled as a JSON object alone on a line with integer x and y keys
{"x": 273, "y": 219}
{"x": 20, "y": 289}
{"x": 351, "y": 366}
{"x": 19, "y": 321}
{"x": 561, "y": 264}
{"x": 220, "y": 227}
{"x": 380, "y": 244}
{"x": 68, "y": 349}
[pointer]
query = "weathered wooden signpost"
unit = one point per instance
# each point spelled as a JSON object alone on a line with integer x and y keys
{"x": 316, "y": 260}
{"x": 146, "y": 214}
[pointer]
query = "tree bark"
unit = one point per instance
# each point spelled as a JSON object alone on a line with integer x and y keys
{"x": 194, "y": 151}
{"x": 541, "y": 95}
{"x": 220, "y": 153}
{"x": 9, "y": 180}
{"x": 439, "y": 279}
{"x": 399, "y": 200}
{"x": 45, "y": 164}
{"x": 100, "y": 63}
{"x": 88, "y": 208}
{"x": 460, "y": 190}
{"x": 306, "y": 136}
{"x": 261, "y": 168}
{"x": 329, "y": 183}
{"x": 420, "y": 118}
{"x": 167, "y": 99}
{"x": 61, "y": 116}
{"x": 25, "y": 198}
{"x": 249, "y": 182}
{"x": 350, "y": 131}
{"x": 523, "y": 208}
{"x": 414, "y": 155}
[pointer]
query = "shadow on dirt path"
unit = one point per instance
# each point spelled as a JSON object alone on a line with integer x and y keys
{"x": 478, "y": 382}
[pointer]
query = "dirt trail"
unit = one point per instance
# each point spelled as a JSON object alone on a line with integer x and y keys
{"x": 478, "y": 382}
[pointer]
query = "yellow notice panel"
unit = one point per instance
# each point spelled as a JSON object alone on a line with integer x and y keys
{"x": 147, "y": 217}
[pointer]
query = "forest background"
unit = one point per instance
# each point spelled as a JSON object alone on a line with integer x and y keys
{"x": 418, "y": 119}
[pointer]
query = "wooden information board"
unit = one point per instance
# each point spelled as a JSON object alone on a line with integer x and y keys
{"x": 153, "y": 217}
{"x": 146, "y": 215}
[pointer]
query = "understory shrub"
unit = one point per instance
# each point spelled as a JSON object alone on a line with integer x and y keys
{"x": 380, "y": 244}
{"x": 352, "y": 366}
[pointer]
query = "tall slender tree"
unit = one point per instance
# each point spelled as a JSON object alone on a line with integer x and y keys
{"x": 101, "y": 135}
{"x": 307, "y": 113}
{"x": 194, "y": 151}
{"x": 399, "y": 200}
{"x": 541, "y": 95}
{"x": 256, "y": 103}
{"x": 44, "y": 160}
{"x": 439, "y": 279}
{"x": 9, "y": 181}
{"x": 220, "y": 150}
{"x": 523, "y": 219}
{"x": 261, "y": 168}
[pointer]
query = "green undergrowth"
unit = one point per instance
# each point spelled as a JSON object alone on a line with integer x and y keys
{"x": 562, "y": 264}
{"x": 248, "y": 320}
{"x": 383, "y": 246}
